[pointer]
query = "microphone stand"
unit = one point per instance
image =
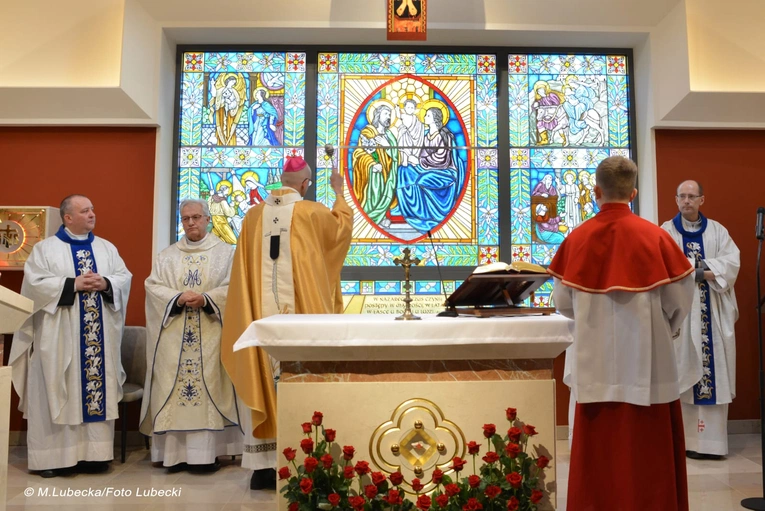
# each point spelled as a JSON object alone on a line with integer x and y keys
{"x": 448, "y": 312}
{"x": 758, "y": 503}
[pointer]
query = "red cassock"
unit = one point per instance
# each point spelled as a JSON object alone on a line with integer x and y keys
{"x": 628, "y": 448}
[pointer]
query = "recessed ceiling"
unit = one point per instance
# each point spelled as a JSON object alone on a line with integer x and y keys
{"x": 478, "y": 13}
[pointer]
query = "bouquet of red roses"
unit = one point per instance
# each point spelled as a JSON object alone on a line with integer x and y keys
{"x": 321, "y": 482}
{"x": 509, "y": 479}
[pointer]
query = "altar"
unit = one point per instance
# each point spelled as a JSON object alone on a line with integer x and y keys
{"x": 410, "y": 395}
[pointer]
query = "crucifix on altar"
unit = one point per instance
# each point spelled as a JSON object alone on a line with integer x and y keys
{"x": 406, "y": 262}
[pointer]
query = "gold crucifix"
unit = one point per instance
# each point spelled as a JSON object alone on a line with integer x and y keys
{"x": 406, "y": 262}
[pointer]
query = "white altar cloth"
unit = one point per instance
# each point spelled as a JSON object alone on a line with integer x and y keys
{"x": 342, "y": 337}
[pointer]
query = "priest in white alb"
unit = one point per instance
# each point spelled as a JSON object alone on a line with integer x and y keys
{"x": 189, "y": 406}
{"x": 706, "y": 348}
{"x": 288, "y": 261}
{"x": 67, "y": 368}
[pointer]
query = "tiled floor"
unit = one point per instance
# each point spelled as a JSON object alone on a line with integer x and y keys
{"x": 713, "y": 485}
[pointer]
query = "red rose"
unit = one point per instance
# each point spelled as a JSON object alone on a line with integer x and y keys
{"x": 310, "y": 464}
{"x": 348, "y": 452}
{"x": 316, "y": 419}
{"x": 437, "y": 476}
{"x": 396, "y": 478}
{"x": 491, "y": 457}
{"x": 333, "y": 499}
{"x": 457, "y": 464}
{"x": 393, "y": 498}
{"x": 307, "y": 428}
{"x": 511, "y": 413}
{"x": 512, "y": 450}
{"x": 370, "y": 491}
{"x": 536, "y": 496}
{"x": 326, "y": 461}
{"x": 529, "y": 430}
{"x": 474, "y": 481}
{"x": 294, "y": 506}
{"x": 307, "y": 445}
{"x": 473, "y": 448}
{"x": 515, "y": 479}
{"x": 417, "y": 485}
{"x": 329, "y": 435}
{"x": 378, "y": 478}
{"x": 489, "y": 430}
{"x": 423, "y": 503}
{"x": 306, "y": 485}
{"x": 452, "y": 489}
{"x": 442, "y": 501}
{"x": 284, "y": 473}
{"x": 514, "y": 434}
{"x": 362, "y": 468}
{"x": 289, "y": 453}
{"x": 472, "y": 505}
{"x": 543, "y": 461}
{"x": 492, "y": 491}
{"x": 357, "y": 502}
{"x": 513, "y": 504}
{"x": 348, "y": 472}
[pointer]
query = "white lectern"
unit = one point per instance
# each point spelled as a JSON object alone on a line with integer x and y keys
{"x": 14, "y": 310}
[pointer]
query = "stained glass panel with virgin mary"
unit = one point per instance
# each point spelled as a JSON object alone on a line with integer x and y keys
{"x": 418, "y": 135}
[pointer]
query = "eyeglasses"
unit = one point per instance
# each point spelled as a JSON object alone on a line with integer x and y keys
{"x": 196, "y": 218}
{"x": 684, "y": 196}
{"x": 309, "y": 182}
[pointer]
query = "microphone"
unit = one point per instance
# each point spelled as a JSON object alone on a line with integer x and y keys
{"x": 446, "y": 313}
{"x": 758, "y": 229}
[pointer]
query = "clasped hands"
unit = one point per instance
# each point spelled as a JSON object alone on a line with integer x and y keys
{"x": 90, "y": 282}
{"x": 191, "y": 299}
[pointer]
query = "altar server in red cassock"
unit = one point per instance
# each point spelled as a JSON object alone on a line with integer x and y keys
{"x": 628, "y": 287}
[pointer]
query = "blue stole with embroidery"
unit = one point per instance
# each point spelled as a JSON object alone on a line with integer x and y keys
{"x": 92, "y": 354}
{"x": 704, "y": 392}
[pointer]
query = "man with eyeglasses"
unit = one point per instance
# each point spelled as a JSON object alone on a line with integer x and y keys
{"x": 288, "y": 261}
{"x": 706, "y": 348}
{"x": 189, "y": 406}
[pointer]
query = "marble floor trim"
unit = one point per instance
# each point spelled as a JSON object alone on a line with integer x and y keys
{"x": 712, "y": 485}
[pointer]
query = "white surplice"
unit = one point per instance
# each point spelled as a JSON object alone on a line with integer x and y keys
{"x": 46, "y": 356}
{"x": 623, "y": 349}
{"x": 706, "y": 425}
{"x": 189, "y": 406}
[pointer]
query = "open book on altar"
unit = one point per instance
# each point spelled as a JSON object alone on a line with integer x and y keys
{"x": 514, "y": 267}
{"x": 499, "y": 289}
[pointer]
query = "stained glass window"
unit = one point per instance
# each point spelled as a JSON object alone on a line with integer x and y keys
{"x": 419, "y": 148}
{"x": 566, "y": 114}
{"x": 241, "y": 115}
{"x": 418, "y": 134}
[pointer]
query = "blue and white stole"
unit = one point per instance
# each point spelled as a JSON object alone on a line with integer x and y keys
{"x": 693, "y": 245}
{"x": 92, "y": 354}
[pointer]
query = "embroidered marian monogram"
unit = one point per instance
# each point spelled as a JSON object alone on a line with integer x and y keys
{"x": 193, "y": 276}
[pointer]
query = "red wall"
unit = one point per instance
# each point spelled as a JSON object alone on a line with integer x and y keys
{"x": 729, "y": 165}
{"x": 114, "y": 167}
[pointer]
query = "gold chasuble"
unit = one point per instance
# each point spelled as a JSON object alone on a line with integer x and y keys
{"x": 318, "y": 241}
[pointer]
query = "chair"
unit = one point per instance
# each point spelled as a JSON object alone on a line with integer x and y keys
{"x": 134, "y": 363}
